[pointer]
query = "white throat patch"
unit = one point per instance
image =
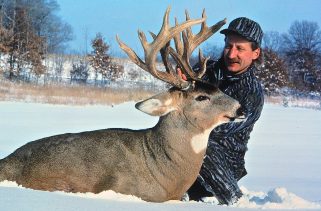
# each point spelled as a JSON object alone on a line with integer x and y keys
{"x": 199, "y": 141}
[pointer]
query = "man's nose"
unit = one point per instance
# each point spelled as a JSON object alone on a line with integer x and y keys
{"x": 232, "y": 52}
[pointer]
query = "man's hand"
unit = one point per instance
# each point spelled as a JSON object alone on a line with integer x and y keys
{"x": 180, "y": 74}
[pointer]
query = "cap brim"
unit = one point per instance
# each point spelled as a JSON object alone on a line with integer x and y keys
{"x": 229, "y": 31}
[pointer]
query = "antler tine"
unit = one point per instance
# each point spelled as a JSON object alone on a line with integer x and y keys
{"x": 143, "y": 41}
{"x": 205, "y": 32}
{"x": 151, "y": 49}
{"x": 165, "y": 56}
{"x": 202, "y": 61}
{"x": 189, "y": 29}
{"x": 131, "y": 54}
{"x": 190, "y": 42}
{"x": 203, "y": 35}
{"x": 188, "y": 36}
{"x": 181, "y": 55}
{"x": 183, "y": 59}
{"x": 177, "y": 40}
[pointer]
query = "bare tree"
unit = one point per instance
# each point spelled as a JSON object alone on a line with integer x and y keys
{"x": 302, "y": 49}
{"x": 303, "y": 35}
{"x": 59, "y": 61}
{"x": 5, "y": 39}
{"x": 23, "y": 47}
{"x": 272, "y": 40}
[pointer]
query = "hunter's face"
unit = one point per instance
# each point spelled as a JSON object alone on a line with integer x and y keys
{"x": 238, "y": 53}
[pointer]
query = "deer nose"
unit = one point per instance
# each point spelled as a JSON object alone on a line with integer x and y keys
{"x": 240, "y": 112}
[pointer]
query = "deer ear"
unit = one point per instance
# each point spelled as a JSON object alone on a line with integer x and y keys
{"x": 155, "y": 106}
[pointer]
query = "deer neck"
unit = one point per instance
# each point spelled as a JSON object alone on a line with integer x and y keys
{"x": 173, "y": 148}
{"x": 179, "y": 135}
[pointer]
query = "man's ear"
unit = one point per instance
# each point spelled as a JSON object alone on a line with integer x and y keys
{"x": 256, "y": 53}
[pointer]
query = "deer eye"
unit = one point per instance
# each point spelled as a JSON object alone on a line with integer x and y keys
{"x": 202, "y": 98}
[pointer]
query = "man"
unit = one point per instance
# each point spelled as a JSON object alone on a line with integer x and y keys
{"x": 234, "y": 72}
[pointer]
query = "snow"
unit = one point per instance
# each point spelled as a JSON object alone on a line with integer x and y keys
{"x": 283, "y": 161}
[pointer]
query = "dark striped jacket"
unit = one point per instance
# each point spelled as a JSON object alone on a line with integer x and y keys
{"x": 224, "y": 162}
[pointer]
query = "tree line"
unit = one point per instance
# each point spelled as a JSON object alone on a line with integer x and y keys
{"x": 31, "y": 32}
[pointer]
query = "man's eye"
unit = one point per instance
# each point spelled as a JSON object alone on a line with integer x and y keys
{"x": 202, "y": 98}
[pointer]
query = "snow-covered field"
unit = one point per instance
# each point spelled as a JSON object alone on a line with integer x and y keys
{"x": 283, "y": 161}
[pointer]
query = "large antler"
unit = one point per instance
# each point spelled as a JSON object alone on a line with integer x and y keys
{"x": 190, "y": 42}
{"x": 161, "y": 43}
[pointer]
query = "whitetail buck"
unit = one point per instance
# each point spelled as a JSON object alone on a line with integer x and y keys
{"x": 155, "y": 164}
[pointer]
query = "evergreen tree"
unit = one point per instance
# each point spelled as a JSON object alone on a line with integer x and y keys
{"x": 101, "y": 61}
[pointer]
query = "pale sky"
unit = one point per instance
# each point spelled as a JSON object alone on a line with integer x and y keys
{"x": 124, "y": 17}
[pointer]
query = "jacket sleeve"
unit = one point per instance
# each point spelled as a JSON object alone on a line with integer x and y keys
{"x": 252, "y": 101}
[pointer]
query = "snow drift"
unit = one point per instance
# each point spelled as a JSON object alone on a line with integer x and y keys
{"x": 283, "y": 160}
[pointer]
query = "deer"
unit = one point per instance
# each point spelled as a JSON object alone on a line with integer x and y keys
{"x": 156, "y": 164}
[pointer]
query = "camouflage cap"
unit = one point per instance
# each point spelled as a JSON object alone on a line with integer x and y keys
{"x": 245, "y": 27}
